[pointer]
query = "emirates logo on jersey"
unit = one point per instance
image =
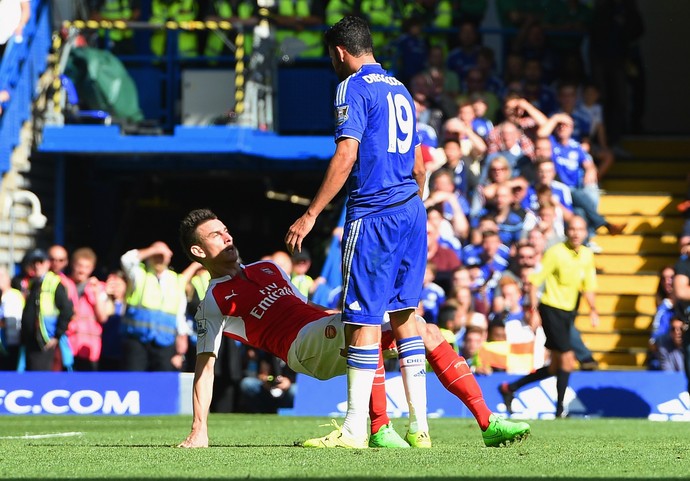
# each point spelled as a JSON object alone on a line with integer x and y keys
{"x": 330, "y": 332}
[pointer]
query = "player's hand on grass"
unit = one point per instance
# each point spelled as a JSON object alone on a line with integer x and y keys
{"x": 195, "y": 439}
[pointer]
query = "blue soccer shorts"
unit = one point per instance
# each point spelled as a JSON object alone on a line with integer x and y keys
{"x": 383, "y": 262}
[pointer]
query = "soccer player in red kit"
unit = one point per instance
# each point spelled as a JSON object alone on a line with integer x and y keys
{"x": 257, "y": 304}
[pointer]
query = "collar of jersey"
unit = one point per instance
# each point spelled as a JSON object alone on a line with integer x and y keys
{"x": 367, "y": 66}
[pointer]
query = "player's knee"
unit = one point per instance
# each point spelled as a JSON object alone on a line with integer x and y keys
{"x": 431, "y": 335}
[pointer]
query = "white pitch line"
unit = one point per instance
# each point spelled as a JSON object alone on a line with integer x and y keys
{"x": 44, "y": 436}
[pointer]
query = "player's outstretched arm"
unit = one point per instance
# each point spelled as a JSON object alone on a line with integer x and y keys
{"x": 336, "y": 176}
{"x": 202, "y": 392}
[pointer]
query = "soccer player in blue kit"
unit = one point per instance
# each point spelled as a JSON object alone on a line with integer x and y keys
{"x": 384, "y": 251}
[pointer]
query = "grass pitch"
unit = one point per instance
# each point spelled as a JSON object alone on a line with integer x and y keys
{"x": 262, "y": 447}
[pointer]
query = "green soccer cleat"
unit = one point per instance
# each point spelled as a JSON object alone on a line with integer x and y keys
{"x": 387, "y": 437}
{"x": 335, "y": 439}
{"x": 420, "y": 439}
{"x": 502, "y": 432}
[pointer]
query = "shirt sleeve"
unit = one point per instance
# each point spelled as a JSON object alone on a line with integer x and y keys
{"x": 209, "y": 327}
{"x": 350, "y": 111}
{"x": 130, "y": 263}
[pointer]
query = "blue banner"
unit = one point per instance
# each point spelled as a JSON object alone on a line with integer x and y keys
{"x": 653, "y": 395}
{"x": 90, "y": 393}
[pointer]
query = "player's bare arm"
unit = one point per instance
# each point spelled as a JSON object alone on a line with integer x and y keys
{"x": 336, "y": 175}
{"x": 201, "y": 401}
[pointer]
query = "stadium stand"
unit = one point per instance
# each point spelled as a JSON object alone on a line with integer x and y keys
{"x": 644, "y": 192}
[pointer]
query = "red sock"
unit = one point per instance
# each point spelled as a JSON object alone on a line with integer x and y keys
{"x": 455, "y": 375}
{"x": 378, "y": 403}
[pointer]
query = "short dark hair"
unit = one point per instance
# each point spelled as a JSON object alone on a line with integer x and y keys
{"x": 188, "y": 235}
{"x": 352, "y": 33}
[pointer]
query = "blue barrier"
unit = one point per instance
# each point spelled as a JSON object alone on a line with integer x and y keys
{"x": 74, "y": 139}
{"x": 658, "y": 396}
{"x": 91, "y": 393}
{"x": 652, "y": 395}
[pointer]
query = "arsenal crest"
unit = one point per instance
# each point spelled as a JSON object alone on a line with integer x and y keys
{"x": 330, "y": 332}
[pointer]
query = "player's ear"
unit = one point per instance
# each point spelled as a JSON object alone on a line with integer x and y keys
{"x": 340, "y": 52}
{"x": 197, "y": 251}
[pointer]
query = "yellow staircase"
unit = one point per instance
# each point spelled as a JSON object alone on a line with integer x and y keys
{"x": 644, "y": 192}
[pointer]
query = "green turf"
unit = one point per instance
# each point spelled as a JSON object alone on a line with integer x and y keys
{"x": 261, "y": 447}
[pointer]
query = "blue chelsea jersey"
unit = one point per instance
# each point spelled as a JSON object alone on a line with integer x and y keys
{"x": 377, "y": 110}
{"x": 569, "y": 161}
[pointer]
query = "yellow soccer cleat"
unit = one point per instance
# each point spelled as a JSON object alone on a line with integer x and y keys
{"x": 420, "y": 439}
{"x": 336, "y": 439}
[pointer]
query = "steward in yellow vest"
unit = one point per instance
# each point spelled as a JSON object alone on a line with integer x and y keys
{"x": 46, "y": 315}
{"x": 154, "y": 324}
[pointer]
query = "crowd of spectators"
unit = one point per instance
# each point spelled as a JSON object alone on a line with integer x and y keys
{"x": 57, "y": 315}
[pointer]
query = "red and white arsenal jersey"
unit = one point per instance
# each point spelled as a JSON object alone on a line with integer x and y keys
{"x": 259, "y": 307}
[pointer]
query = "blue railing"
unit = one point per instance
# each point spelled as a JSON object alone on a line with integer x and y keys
{"x": 20, "y": 69}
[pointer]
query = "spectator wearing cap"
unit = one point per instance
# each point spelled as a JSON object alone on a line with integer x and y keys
{"x": 46, "y": 315}
{"x": 301, "y": 262}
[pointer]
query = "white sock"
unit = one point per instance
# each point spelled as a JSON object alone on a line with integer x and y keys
{"x": 359, "y": 383}
{"x": 413, "y": 370}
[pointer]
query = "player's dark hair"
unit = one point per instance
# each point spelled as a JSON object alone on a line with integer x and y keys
{"x": 188, "y": 235}
{"x": 351, "y": 33}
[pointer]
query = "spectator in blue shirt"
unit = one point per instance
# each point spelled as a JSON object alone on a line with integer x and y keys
{"x": 576, "y": 169}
